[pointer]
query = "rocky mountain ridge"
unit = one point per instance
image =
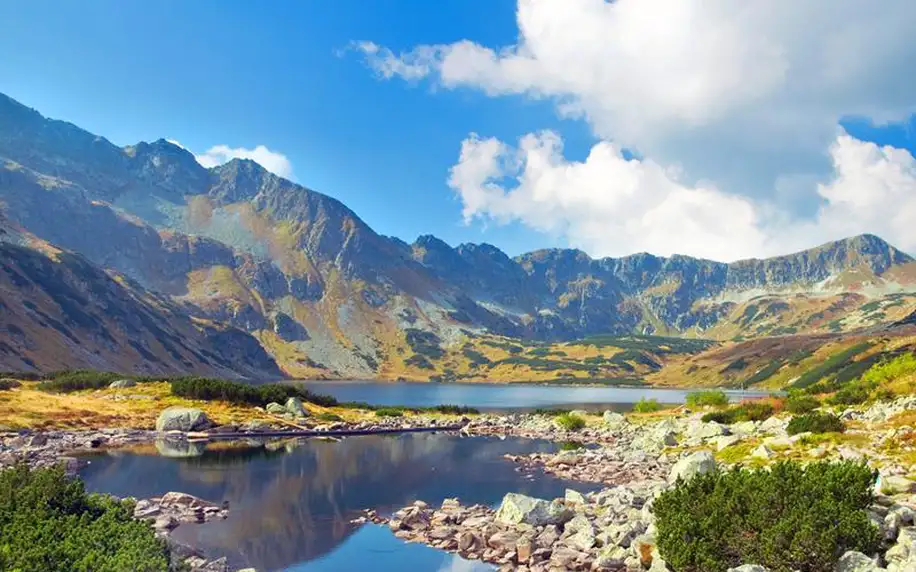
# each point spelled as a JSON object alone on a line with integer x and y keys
{"x": 327, "y": 296}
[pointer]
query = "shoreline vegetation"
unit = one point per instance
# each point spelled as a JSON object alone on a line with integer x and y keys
{"x": 859, "y": 430}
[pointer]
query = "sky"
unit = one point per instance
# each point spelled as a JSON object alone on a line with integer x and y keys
{"x": 704, "y": 127}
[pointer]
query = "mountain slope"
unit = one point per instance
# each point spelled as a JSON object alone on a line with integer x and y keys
{"x": 327, "y": 296}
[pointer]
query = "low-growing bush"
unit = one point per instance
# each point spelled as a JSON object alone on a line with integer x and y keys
{"x": 800, "y": 404}
{"x": 647, "y": 406}
{"x": 815, "y": 422}
{"x": 707, "y": 398}
{"x": 76, "y": 380}
{"x": 791, "y": 517}
{"x": 569, "y": 421}
{"x": 327, "y": 416}
{"x": 236, "y": 392}
{"x": 850, "y": 394}
{"x": 48, "y": 522}
{"x": 451, "y": 409}
{"x": 389, "y": 412}
{"x": 748, "y": 411}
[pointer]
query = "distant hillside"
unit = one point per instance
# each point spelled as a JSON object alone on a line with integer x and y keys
{"x": 326, "y": 296}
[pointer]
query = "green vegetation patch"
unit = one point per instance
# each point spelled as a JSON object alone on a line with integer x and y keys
{"x": 647, "y": 406}
{"x": 815, "y": 422}
{"x": 790, "y": 517}
{"x": 208, "y": 389}
{"x": 831, "y": 365}
{"x": 655, "y": 344}
{"x": 424, "y": 343}
{"x": 750, "y": 411}
{"x": 49, "y": 522}
{"x": 763, "y": 373}
{"x": 707, "y": 398}
{"x": 389, "y": 412}
{"x": 569, "y": 421}
{"x": 801, "y": 404}
{"x": 76, "y": 380}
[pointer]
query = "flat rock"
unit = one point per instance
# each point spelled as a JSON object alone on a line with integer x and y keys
{"x": 853, "y": 561}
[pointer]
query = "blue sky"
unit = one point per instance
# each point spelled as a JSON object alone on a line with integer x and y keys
{"x": 211, "y": 73}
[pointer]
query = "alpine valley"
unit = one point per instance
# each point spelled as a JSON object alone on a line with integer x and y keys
{"x": 139, "y": 259}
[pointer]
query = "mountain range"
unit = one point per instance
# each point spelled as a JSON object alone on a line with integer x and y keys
{"x": 139, "y": 258}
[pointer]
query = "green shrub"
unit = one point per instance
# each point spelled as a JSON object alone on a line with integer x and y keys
{"x": 708, "y": 398}
{"x": 451, "y": 409}
{"x": 569, "y": 421}
{"x": 815, "y": 422}
{"x": 48, "y": 522}
{"x": 208, "y": 389}
{"x": 891, "y": 370}
{"x": 791, "y": 517}
{"x": 647, "y": 406}
{"x": 76, "y": 380}
{"x": 389, "y": 412}
{"x": 571, "y": 446}
{"x": 327, "y": 416}
{"x": 800, "y": 404}
{"x": 749, "y": 411}
{"x": 851, "y": 394}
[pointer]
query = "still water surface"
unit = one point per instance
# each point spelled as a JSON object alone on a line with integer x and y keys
{"x": 291, "y": 505}
{"x": 500, "y": 396}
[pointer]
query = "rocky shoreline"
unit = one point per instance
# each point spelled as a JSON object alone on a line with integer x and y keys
{"x": 611, "y": 529}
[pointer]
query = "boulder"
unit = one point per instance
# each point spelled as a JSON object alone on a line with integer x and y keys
{"x": 853, "y": 561}
{"x": 698, "y": 463}
{"x": 895, "y": 485}
{"x": 774, "y": 425}
{"x": 706, "y": 430}
{"x": 574, "y": 497}
{"x": 901, "y": 557}
{"x": 122, "y": 384}
{"x": 614, "y": 420}
{"x": 294, "y": 407}
{"x": 744, "y": 428}
{"x": 749, "y": 568}
{"x": 182, "y": 419}
{"x": 611, "y": 558}
{"x": 275, "y": 408}
{"x": 581, "y": 533}
{"x": 521, "y": 509}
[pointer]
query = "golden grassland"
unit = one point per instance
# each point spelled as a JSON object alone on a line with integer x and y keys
{"x": 138, "y": 407}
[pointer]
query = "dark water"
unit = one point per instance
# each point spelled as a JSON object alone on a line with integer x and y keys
{"x": 496, "y": 396}
{"x": 290, "y": 506}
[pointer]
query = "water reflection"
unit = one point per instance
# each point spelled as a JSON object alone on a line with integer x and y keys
{"x": 292, "y": 502}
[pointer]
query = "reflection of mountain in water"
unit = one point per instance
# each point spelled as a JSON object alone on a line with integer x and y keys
{"x": 295, "y": 503}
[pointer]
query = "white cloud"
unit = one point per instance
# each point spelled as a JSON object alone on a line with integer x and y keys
{"x": 609, "y": 205}
{"x": 742, "y": 93}
{"x": 276, "y": 163}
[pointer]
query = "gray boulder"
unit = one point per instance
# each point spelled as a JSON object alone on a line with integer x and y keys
{"x": 182, "y": 419}
{"x": 275, "y": 408}
{"x": 853, "y": 561}
{"x": 294, "y": 407}
{"x": 122, "y": 384}
{"x": 521, "y": 509}
{"x": 749, "y": 568}
{"x": 581, "y": 533}
{"x": 901, "y": 557}
{"x": 698, "y": 463}
{"x": 614, "y": 420}
{"x": 894, "y": 485}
